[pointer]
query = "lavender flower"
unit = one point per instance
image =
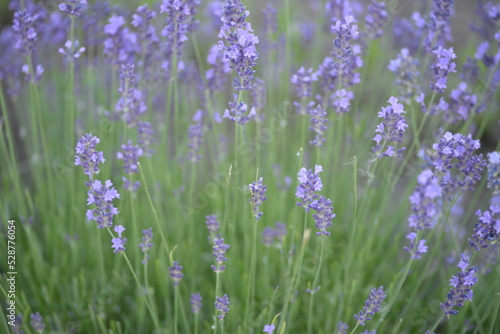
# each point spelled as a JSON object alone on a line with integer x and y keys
{"x": 302, "y": 81}
{"x": 32, "y": 77}
{"x": 102, "y": 197}
{"x": 86, "y": 155}
{"x": 120, "y": 45}
{"x": 323, "y": 217}
{"x": 319, "y": 121}
{"x": 258, "y": 192}
{"x": 238, "y": 112}
{"x": 494, "y": 172}
{"x": 71, "y": 51}
{"x": 24, "y": 26}
{"x": 442, "y": 67}
{"x": 176, "y": 273}
{"x": 72, "y": 7}
{"x": 238, "y": 43}
{"x": 372, "y": 305}
{"x": 146, "y": 31}
{"x": 213, "y": 226}
{"x": 37, "y": 322}
{"x": 216, "y": 75}
{"x": 337, "y": 9}
{"x": 269, "y": 26}
{"x": 439, "y": 23}
{"x": 376, "y": 19}
{"x": 130, "y": 157}
{"x": 310, "y": 183}
{"x": 461, "y": 284}
{"x": 487, "y": 230}
{"x": 146, "y": 244}
{"x": 119, "y": 243}
{"x": 342, "y": 100}
{"x": 272, "y": 235}
{"x": 456, "y": 153}
{"x": 423, "y": 201}
{"x": 415, "y": 250}
{"x": 269, "y": 328}
{"x": 219, "y": 253}
{"x": 145, "y": 137}
{"x": 462, "y": 104}
{"x": 195, "y": 302}
{"x": 131, "y": 104}
{"x": 195, "y": 134}
{"x": 342, "y": 328}
{"x": 391, "y": 130}
{"x": 180, "y": 21}
{"x": 222, "y": 305}
{"x": 259, "y": 96}
{"x": 406, "y": 69}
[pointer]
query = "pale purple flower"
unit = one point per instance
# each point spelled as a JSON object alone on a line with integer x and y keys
{"x": 145, "y": 134}
{"x": 342, "y": 328}
{"x": 195, "y": 134}
{"x": 146, "y": 244}
{"x": 407, "y": 75}
{"x": 494, "y": 172}
{"x": 376, "y": 19}
{"x": 390, "y": 130}
{"x": 302, "y": 81}
{"x": 461, "y": 287}
{"x": 461, "y": 106}
{"x": 119, "y": 243}
{"x": 269, "y": 328}
{"x": 238, "y": 112}
{"x": 415, "y": 250}
{"x": 423, "y": 201}
{"x": 32, "y": 77}
{"x": 86, "y": 155}
{"x": 131, "y": 104}
{"x": 309, "y": 184}
{"x": 438, "y": 24}
{"x": 72, "y": 7}
{"x": 338, "y": 9}
{"x": 258, "y": 196}
{"x": 324, "y": 214}
{"x": 121, "y": 45}
{"x": 219, "y": 253}
{"x": 102, "y": 195}
{"x": 342, "y": 100}
{"x": 24, "y": 26}
{"x": 213, "y": 226}
{"x": 372, "y": 305}
{"x": 269, "y": 27}
{"x": 37, "y": 322}
{"x": 222, "y": 305}
{"x": 274, "y": 235}
{"x": 176, "y": 272}
{"x": 442, "y": 67}
{"x": 195, "y": 302}
{"x": 259, "y": 97}
{"x": 487, "y": 229}
{"x": 130, "y": 155}
{"x": 216, "y": 75}
{"x": 146, "y": 31}
{"x": 71, "y": 51}
{"x": 319, "y": 121}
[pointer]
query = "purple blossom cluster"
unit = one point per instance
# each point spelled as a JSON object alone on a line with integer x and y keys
{"x": 239, "y": 43}
{"x": 73, "y": 7}
{"x": 461, "y": 287}
{"x": 238, "y": 112}
{"x": 302, "y": 81}
{"x": 24, "y": 26}
{"x": 130, "y": 155}
{"x": 222, "y": 305}
{"x": 274, "y": 235}
{"x": 438, "y": 24}
{"x": 342, "y": 100}
{"x": 145, "y": 136}
{"x": 120, "y": 44}
{"x": 424, "y": 201}
{"x": 269, "y": 26}
{"x": 442, "y": 67}
{"x": 71, "y": 50}
{"x": 376, "y": 19}
{"x": 336, "y": 10}
{"x": 487, "y": 229}
{"x": 216, "y": 75}
{"x": 494, "y": 172}
{"x": 390, "y": 130}
{"x": 37, "y": 322}
{"x": 176, "y": 273}
{"x": 372, "y": 305}
{"x": 415, "y": 250}
{"x": 220, "y": 249}
{"x": 462, "y": 104}
{"x": 146, "y": 244}
{"x": 196, "y": 303}
{"x": 324, "y": 214}
{"x": 87, "y": 156}
{"x": 146, "y": 32}
{"x": 319, "y": 121}
{"x": 119, "y": 242}
{"x": 309, "y": 184}
{"x": 195, "y": 134}
{"x": 102, "y": 196}
{"x": 455, "y": 152}
{"x": 407, "y": 75}
{"x": 131, "y": 103}
{"x": 258, "y": 196}
{"x": 259, "y": 97}
{"x": 213, "y": 226}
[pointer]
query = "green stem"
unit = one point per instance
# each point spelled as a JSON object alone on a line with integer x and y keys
{"x": 310, "y": 320}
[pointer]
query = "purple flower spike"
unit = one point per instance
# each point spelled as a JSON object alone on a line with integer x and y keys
{"x": 176, "y": 273}
{"x": 319, "y": 121}
{"x": 86, "y": 155}
{"x": 258, "y": 196}
{"x": 342, "y": 327}
{"x": 119, "y": 243}
{"x": 146, "y": 244}
{"x": 494, "y": 172}
{"x": 145, "y": 134}
{"x": 216, "y": 75}
{"x": 376, "y": 19}
{"x": 195, "y": 134}
{"x": 269, "y": 328}
{"x": 423, "y": 201}
{"x": 487, "y": 230}
{"x": 195, "y": 302}
{"x": 238, "y": 112}
{"x": 72, "y": 7}
{"x": 442, "y": 67}
{"x": 219, "y": 253}
{"x": 24, "y": 26}
{"x": 102, "y": 197}
{"x": 461, "y": 287}
{"x": 213, "y": 226}
{"x": 71, "y": 51}
{"x": 438, "y": 24}
{"x": 415, "y": 251}
{"x": 131, "y": 103}
{"x": 274, "y": 235}
{"x": 462, "y": 104}
{"x": 130, "y": 157}
{"x": 302, "y": 81}
{"x": 222, "y": 305}
{"x": 342, "y": 100}
{"x": 323, "y": 217}
{"x": 407, "y": 75}
{"x": 372, "y": 305}
{"x": 391, "y": 130}
{"x": 37, "y": 322}
{"x": 310, "y": 183}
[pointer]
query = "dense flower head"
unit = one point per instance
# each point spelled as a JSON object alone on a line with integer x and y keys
{"x": 195, "y": 134}
{"x": 24, "y": 26}
{"x": 406, "y": 69}
{"x": 309, "y": 184}
{"x": 274, "y": 235}
{"x": 72, "y": 7}
{"x": 269, "y": 328}
{"x": 37, "y": 322}
{"x": 238, "y": 111}
{"x": 376, "y": 19}
{"x": 130, "y": 155}
{"x": 258, "y": 196}
{"x": 438, "y": 24}
{"x": 336, "y": 10}
{"x": 216, "y": 75}
{"x": 146, "y": 31}
{"x": 102, "y": 195}
{"x": 219, "y": 253}
{"x": 487, "y": 229}
{"x": 222, "y": 305}
{"x": 131, "y": 104}
{"x": 319, "y": 121}
{"x": 443, "y": 65}
{"x": 238, "y": 43}
{"x": 176, "y": 272}
{"x": 324, "y": 214}
{"x": 269, "y": 26}
{"x": 455, "y": 152}
{"x": 342, "y": 100}
{"x": 302, "y": 80}
{"x": 342, "y": 327}
{"x": 146, "y": 244}
{"x": 494, "y": 172}
{"x": 390, "y": 130}
{"x": 462, "y": 104}
{"x": 461, "y": 286}
{"x": 372, "y": 305}
{"x": 259, "y": 96}
{"x": 195, "y": 302}
{"x": 213, "y": 226}
{"x": 121, "y": 44}
{"x": 86, "y": 155}
{"x": 415, "y": 250}
{"x": 119, "y": 243}
{"x": 145, "y": 134}
{"x": 424, "y": 200}
{"x": 71, "y": 50}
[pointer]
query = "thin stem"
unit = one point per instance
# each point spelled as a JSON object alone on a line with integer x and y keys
{"x": 315, "y": 282}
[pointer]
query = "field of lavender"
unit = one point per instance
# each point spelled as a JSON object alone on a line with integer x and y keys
{"x": 276, "y": 166}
